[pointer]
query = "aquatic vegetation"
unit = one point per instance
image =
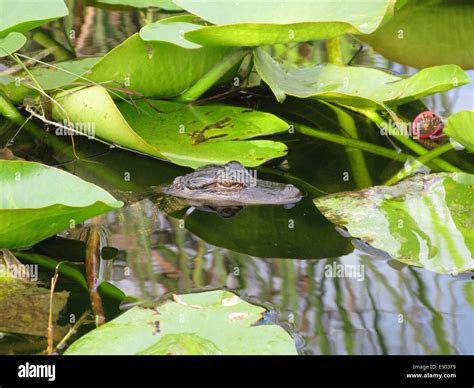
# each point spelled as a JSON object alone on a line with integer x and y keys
{"x": 355, "y": 155}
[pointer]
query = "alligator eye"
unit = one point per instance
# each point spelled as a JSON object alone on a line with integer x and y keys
{"x": 229, "y": 184}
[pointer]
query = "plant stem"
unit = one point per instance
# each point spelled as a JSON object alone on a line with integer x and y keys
{"x": 405, "y": 140}
{"x": 402, "y": 174}
{"x": 8, "y": 110}
{"x": 349, "y": 142}
{"x": 334, "y": 51}
{"x": 356, "y": 157}
{"x": 60, "y": 53}
{"x": 211, "y": 77}
{"x": 312, "y": 190}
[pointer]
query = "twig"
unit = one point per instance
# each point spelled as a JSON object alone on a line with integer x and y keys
{"x": 54, "y": 279}
{"x": 72, "y": 330}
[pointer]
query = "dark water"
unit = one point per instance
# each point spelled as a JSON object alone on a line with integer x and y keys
{"x": 272, "y": 256}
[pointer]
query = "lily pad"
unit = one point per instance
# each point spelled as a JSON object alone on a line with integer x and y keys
{"x": 185, "y": 134}
{"x": 163, "y": 4}
{"x": 428, "y": 33}
{"x": 59, "y": 201}
{"x": 23, "y": 16}
{"x": 11, "y": 43}
{"x": 155, "y": 69}
{"x": 170, "y": 32}
{"x": 460, "y": 127}
{"x": 213, "y": 322}
{"x": 256, "y": 23}
{"x": 426, "y": 221}
{"x": 355, "y": 86}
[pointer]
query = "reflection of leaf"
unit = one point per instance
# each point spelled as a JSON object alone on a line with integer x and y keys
{"x": 300, "y": 232}
{"x": 469, "y": 293}
{"x": 187, "y": 135}
{"x": 213, "y": 322}
{"x": 427, "y": 221}
{"x": 428, "y": 33}
{"x": 460, "y": 127}
{"x": 355, "y": 86}
{"x": 256, "y": 23}
{"x": 37, "y": 201}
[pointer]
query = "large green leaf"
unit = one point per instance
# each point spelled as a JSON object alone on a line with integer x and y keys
{"x": 255, "y": 23}
{"x": 428, "y": 33}
{"x": 22, "y": 16}
{"x": 155, "y": 69}
{"x": 213, "y": 322}
{"x": 37, "y": 201}
{"x": 460, "y": 127}
{"x": 185, "y": 134}
{"x": 355, "y": 86}
{"x": 50, "y": 77}
{"x": 11, "y": 43}
{"x": 164, "y": 4}
{"x": 427, "y": 221}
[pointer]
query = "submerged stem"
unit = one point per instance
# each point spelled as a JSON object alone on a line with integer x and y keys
{"x": 350, "y": 142}
{"x": 334, "y": 51}
{"x": 402, "y": 174}
{"x": 212, "y": 76}
{"x": 59, "y": 52}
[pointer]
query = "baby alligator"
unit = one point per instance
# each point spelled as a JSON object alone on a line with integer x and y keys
{"x": 227, "y": 188}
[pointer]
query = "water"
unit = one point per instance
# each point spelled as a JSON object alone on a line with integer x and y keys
{"x": 376, "y": 309}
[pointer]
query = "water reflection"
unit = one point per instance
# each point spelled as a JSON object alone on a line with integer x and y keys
{"x": 354, "y": 304}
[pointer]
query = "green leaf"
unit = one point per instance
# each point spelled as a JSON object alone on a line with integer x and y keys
{"x": 58, "y": 200}
{"x": 51, "y": 77}
{"x": 23, "y": 16}
{"x": 185, "y": 134}
{"x": 170, "y": 32}
{"x": 256, "y": 23}
{"x": 428, "y": 33}
{"x": 163, "y": 4}
{"x": 425, "y": 221}
{"x": 11, "y": 43}
{"x": 460, "y": 127}
{"x": 155, "y": 69}
{"x": 213, "y": 322}
{"x": 355, "y": 86}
